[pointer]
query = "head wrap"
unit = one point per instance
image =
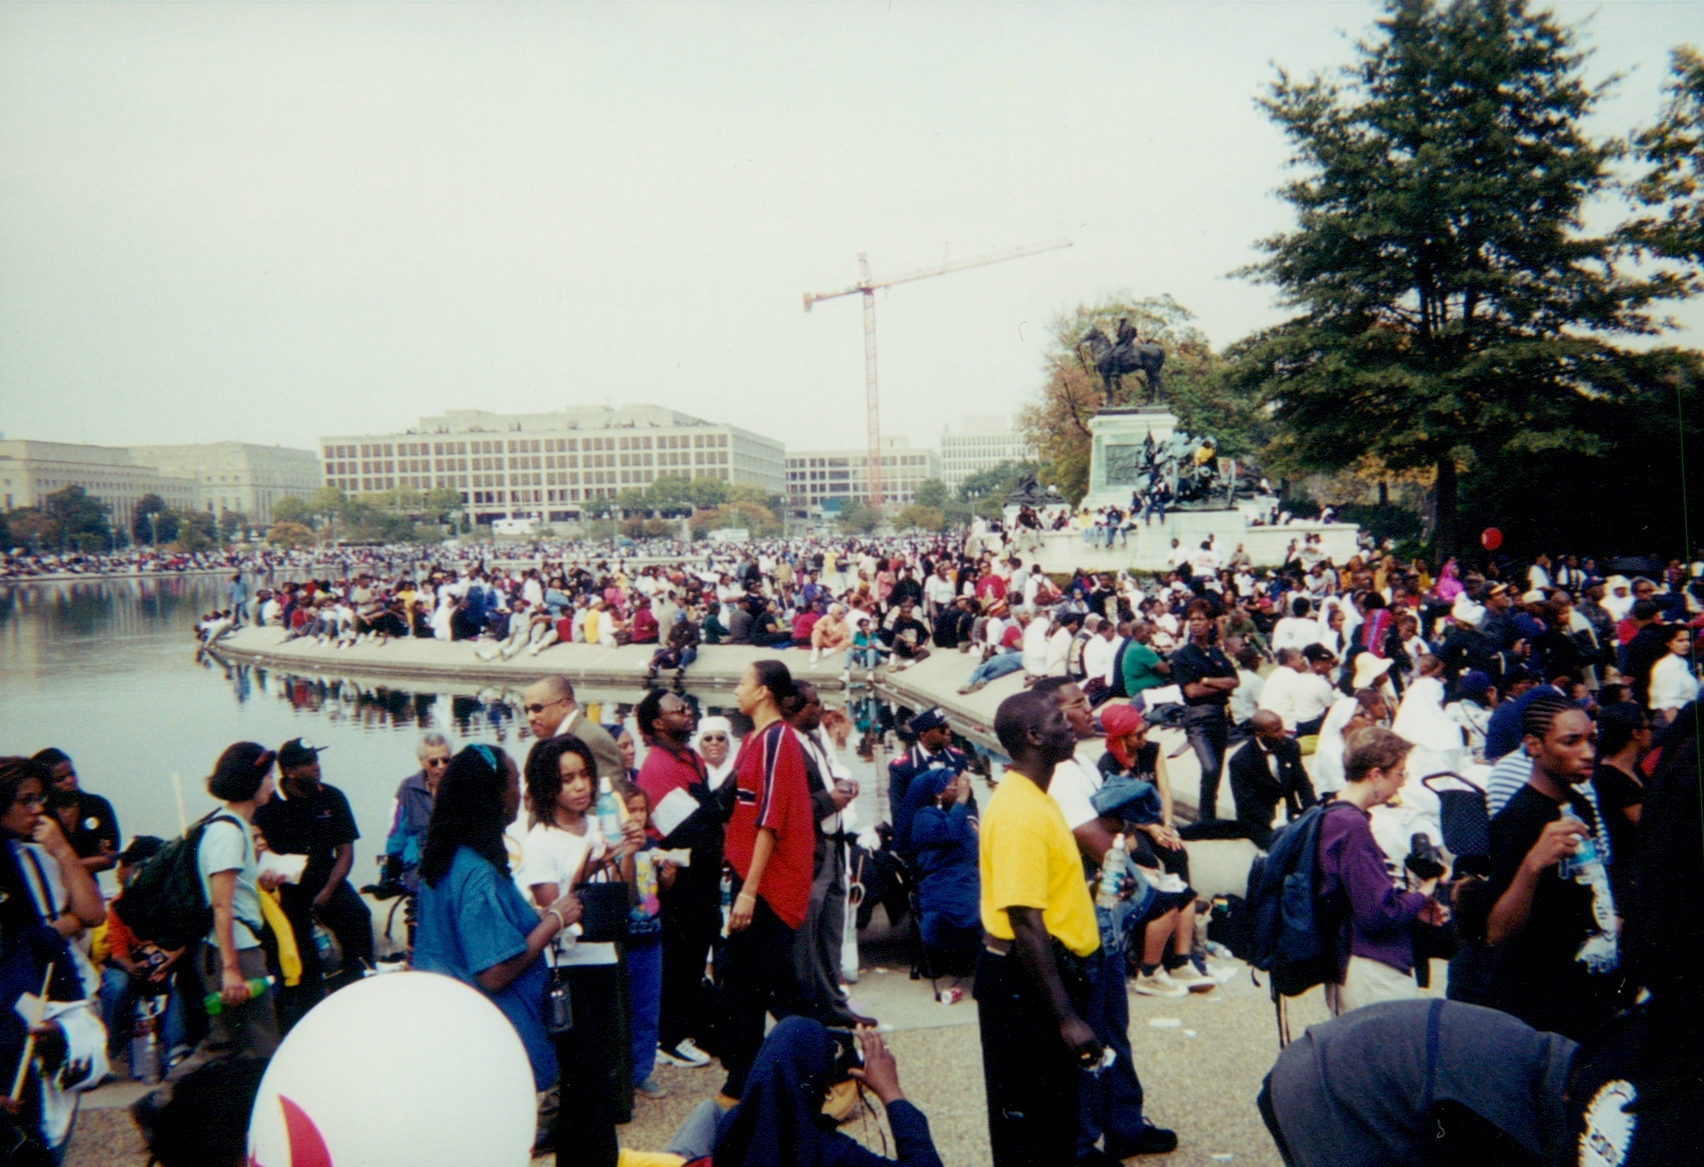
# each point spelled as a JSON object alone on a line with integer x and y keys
{"x": 1118, "y": 721}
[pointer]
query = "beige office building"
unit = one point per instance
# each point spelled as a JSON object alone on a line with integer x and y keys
{"x": 981, "y": 443}
{"x": 816, "y": 476}
{"x": 31, "y": 470}
{"x": 236, "y": 476}
{"x": 545, "y": 465}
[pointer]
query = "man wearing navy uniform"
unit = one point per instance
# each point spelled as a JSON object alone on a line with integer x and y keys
{"x": 933, "y": 751}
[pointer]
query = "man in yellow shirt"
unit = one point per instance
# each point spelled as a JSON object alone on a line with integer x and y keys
{"x": 1038, "y": 928}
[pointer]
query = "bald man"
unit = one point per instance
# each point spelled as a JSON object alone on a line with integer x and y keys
{"x": 552, "y": 711}
{"x": 1268, "y": 770}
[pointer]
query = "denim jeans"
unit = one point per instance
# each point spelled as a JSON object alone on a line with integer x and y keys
{"x": 997, "y": 665}
{"x": 645, "y": 999}
{"x": 1109, "y": 1103}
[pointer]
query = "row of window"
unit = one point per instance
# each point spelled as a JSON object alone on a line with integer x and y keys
{"x": 523, "y": 446}
{"x": 887, "y": 460}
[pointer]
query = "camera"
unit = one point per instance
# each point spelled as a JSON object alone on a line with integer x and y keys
{"x": 1424, "y": 858}
{"x": 847, "y": 1055}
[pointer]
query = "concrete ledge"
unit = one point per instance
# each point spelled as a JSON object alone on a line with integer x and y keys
{"x": 718, "y": 666}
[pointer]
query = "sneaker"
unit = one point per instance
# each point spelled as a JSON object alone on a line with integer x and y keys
{"x": 1154, "y": 1140}
{"x": 683, "y": 1054}
{"x": 1158, "y": 984}
{"x": 1192, "y": 980}
{"x": 651, "y": 1088}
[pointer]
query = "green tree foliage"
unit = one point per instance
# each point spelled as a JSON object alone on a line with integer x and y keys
{"x": 79, "y": 518}
{"x": 290, "y": 535}
{"x": 231, "y": 525}
{"x": 31, "y": 527}
{"x": 1673, "y": 184}
{"x": 747, "y": 516}
{"x": 933, "y": 493}
{"x": 290, "y": 509}
{"x": 669, "y": 492}
{"x": 917, "y": 517}
{"x": 708, "y": 492}
{"x": 196, "y": 531}
{"x": 859, "y": 518}
{"x": 1058, "y": 424}
{"x": 142, "y": 530}
{"x": 1454, "y": 313}
{"x": 984, "y": 493}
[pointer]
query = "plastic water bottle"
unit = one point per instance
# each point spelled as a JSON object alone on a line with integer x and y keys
{"x": 145, "y": 1046}
{"x": 727, "y": 898}
{"x": 1112, "y": 874}
{"x": 609, "y": 813}
{"x": 215, "y": 1004}
{"x": 1585, "y": 866}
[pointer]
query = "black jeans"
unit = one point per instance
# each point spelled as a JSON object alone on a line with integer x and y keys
{"x": 757, "y": 978}
{"x": 1209, "y": 732}
{"x": 589, "y": 1063}
{"x": 1031, "y": 1078}
{"x": 346, "y": 917}
{"x": 692, "y": 920}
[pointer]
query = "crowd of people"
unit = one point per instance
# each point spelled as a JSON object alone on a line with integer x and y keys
{"x": 601, "y": 876}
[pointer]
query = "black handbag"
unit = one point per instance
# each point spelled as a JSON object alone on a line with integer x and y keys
{"x": 603, "y": 911}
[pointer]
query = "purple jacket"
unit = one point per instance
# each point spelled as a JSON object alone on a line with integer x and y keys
{"x": 1352, "y": 868}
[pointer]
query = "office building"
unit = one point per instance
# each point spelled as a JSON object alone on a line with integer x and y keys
{"x": 31, "y": 470}
{"x": 981, "y": 443}
{"x": 236, "y": 476}
{"x": 817, "y": 476}
{"x": 545, "y": 465}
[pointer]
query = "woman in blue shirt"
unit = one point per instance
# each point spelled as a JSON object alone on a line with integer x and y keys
{"x": 475, "y": 925}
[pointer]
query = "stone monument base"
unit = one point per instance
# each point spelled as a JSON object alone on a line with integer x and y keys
{"x": 1116, "y": 457}
{"x": 1149, "y": 547}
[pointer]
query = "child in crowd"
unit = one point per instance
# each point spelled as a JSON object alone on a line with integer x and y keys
{"x": 644, "y": 945}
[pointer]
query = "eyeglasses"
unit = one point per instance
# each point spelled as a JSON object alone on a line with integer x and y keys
{"x": 536, "y": 708}
{"x": 436, "y": 762}
{"x": 714, "y": 737}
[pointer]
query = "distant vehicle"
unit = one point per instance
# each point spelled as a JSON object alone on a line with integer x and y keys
{"x": 730, "y": 535}
{"x": 515, "y": 527}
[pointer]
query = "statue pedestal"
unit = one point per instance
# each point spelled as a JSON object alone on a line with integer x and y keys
{"x": 1116, "y": 459}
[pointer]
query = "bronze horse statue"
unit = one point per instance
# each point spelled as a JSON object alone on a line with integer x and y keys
{"x": 1113, "y": 361}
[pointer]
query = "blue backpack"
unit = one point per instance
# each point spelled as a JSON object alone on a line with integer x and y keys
{"x": 1292, "y": 934}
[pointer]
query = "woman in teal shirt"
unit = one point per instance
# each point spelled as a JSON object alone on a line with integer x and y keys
{"x": 475, "y": 925}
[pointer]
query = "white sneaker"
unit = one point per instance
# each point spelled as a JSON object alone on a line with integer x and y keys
{"x": 683, "y": 1054}
{"x": 1191, "y": 980}
{"x": 1158, "y": 984}
{"x": 846, "y": 677}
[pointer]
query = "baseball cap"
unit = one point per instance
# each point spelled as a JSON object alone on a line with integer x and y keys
{"x": 297, "y": 752}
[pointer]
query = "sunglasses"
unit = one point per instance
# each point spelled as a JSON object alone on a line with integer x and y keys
{"x": 714, "y": 737}
{"x": 536, "y": 708}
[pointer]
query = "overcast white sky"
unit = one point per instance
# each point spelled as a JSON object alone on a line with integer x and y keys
{"x": 270, "y": 222}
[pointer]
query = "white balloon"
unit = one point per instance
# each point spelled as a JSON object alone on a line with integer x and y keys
{"x": 411, "y": 1068}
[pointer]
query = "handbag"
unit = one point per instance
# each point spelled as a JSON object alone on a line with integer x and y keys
{"x": 603, "y": 911}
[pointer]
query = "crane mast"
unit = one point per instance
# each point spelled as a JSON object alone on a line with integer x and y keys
{"x": 866, "y": 289}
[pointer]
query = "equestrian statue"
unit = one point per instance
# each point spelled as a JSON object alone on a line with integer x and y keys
{"x": 1128, "y": 354}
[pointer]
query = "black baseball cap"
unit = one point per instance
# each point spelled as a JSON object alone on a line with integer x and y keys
{"x": 297, "y": 752}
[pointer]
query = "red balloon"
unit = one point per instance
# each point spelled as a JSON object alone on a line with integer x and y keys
{"x": 1491, "y": 538}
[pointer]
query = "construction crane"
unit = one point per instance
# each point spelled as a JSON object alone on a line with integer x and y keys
{"x": 867, "y": 287}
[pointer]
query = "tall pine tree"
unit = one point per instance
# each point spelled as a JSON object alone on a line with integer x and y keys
{"x": 1454, "y": 311}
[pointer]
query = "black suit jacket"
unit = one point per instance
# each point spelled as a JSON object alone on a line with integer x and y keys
{"x": 1257, "y": 793}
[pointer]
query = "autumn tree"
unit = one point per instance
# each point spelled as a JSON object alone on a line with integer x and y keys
{"x": 1058, "y": 424}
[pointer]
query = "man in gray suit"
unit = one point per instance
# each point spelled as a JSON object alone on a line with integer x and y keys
{"x": 552, "y": 711}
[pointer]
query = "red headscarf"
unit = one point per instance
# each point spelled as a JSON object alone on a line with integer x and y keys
{"x": 1118, "y": 721}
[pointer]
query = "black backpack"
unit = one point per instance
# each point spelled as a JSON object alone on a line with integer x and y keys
{"x": 163, "y": 902}
{"x": 1292, "y": 935}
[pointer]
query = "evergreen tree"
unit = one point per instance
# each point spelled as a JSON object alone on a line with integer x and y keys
{"x": 1454, "y": 312}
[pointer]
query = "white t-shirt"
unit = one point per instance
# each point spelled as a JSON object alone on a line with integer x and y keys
{"x": 939, "y": 590}
{"x": 1075, "y": 783}
{"x": 553, "y": 855}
